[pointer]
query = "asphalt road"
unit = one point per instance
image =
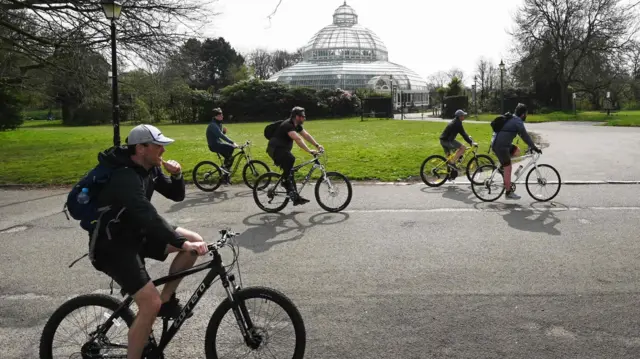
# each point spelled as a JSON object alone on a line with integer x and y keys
{"x": 405, "y": 272}
{"x": 581, "y": 151}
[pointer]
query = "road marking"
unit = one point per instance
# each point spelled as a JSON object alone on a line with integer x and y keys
{"x": 506, "y": 207}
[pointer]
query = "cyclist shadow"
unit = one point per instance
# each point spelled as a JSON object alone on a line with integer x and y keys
{"x": 265, "y": 227}
{"x": 197, "y": 199}
{"x": 528, "y": 218}
{"x": 454, "y": 192}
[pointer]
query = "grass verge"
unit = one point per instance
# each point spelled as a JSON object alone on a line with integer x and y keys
{"x": 384, "y": 150}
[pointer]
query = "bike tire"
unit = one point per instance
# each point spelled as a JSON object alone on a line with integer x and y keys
{"x": 478, "y": 185}
{"x": 478, "y": 161}
{"x": 195, "y": 177}
{"x": 101, "y": 300}
{"x": 247, "y": 168}
{"x": 349, "y": 193}
{"x": 422, "y": 174}
{"x": 257, "y": 292}
{"x": 274, "y": 178}
{"x": 533, "y": 171}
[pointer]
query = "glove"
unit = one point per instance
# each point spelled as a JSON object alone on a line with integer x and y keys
{"x": 536, "y": 149}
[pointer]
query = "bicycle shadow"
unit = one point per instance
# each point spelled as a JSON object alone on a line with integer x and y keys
{"x": 265, "y": 227}
{"x": 197, "y": 199}
{"x": 454, "y": 192}
{"x": 528, "y": 218}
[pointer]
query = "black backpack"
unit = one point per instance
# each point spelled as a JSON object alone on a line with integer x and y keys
{"x": 271, "y": 128}
{"x": 499, "y": 122}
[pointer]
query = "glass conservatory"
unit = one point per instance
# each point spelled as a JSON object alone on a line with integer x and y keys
{"x": 349, "y": 56}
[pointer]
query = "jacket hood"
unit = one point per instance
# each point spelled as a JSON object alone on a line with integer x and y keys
{"x": 116, "y": 157}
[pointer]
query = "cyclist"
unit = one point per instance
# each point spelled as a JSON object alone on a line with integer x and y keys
{"x": 132, "y": 230}
{"x": 504, "y": 148}
{"x": 216, "y": 134}
{"x": 448, "y": 137}
{"x": 281, "y": 144}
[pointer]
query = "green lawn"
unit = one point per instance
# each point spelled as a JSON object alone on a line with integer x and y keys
{"x": 622, "y": 118}
{"x": 378, "y": 149}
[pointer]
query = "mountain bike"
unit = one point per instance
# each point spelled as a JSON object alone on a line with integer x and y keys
{"x": 490, "y": 178}
{"x": 212, "y": 176}
{"x": 244, "y": 319}
{"x": 435, "y": 169}
{"x": 271, "y": 187}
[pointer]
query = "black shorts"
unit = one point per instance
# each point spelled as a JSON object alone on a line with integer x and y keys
{"x": 504, "y": 154}
{"x": 125, "y": 263}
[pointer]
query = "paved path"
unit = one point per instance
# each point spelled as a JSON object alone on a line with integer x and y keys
{"x": 405, "y": 272}
{"x": 583, "y": 151}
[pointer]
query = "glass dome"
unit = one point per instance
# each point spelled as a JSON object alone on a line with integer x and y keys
{"x": 348, "y": 56}
{"x": 345, "y": 40}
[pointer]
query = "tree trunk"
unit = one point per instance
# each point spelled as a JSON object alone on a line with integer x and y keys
{"x": 564, "y": 100}
{"x": 68, "y": 112}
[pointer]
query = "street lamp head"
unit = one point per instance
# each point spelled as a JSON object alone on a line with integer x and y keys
{"x": 111, "y": 9}
{"x": 501, "y": 65}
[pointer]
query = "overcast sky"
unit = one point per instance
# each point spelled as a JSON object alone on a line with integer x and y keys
{"x": 424, "y": 35}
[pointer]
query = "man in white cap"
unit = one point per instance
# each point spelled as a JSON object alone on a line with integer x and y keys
{"x": 132, "y": 230}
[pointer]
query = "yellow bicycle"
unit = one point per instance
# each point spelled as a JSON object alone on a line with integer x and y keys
{"x": 435, "y": 170}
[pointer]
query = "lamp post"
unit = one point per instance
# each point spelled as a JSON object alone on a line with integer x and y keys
{"x": 502, "y": 86}
{"x": 475, "y": 94}
{"x": 112, "y": 12}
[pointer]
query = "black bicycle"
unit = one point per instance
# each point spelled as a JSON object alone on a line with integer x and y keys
{"x": 249, "y": 321}
{"x": 207, "y": 175}
{"x": 269, "y": 188}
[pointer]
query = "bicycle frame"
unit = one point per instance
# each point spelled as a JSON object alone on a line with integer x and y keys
{"x": 533, "y": 160}
{"x": 216, "y": 268}
{"x": 241, "y": 153}
{"x": 316, "y": 164}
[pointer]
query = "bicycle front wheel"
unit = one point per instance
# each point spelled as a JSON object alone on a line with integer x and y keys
{"x": 338, "y": 186}
{"x": 81, "y": 317}
{"x": 207, "y": 176}
{"x": 487, "y": 183}
{"x": 252, "y": 170}
{"x": 477, "y": 162}
{"x": 434, "y": 171}
{"x": 267, "y": 332}
{"x": 546, "y": 177}
{"x": 269, "y": 197}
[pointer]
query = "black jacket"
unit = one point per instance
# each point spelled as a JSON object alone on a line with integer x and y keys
{"x": 131, "y": 186}
{"x": 453, "y": 129}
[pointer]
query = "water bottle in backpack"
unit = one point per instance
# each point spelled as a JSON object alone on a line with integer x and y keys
{"x": 83, "y": 197}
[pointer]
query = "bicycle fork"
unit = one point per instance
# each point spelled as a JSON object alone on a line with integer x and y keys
{"x": 241, "y": 313}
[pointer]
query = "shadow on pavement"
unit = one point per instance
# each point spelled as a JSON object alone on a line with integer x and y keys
{"x": 460, "y": 192}
{"x": 196, "y": 199}
{"x": 535, "y": 217}
{"x": 265, "y": 227}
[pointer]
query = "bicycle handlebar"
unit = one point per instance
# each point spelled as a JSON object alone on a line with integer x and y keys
{"x": 225, "y": 235}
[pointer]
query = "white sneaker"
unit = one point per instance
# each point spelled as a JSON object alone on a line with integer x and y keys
{"x": 512, "y": 195}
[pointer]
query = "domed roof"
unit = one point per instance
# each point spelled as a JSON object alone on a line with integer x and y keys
{"x": 345, "y": 41}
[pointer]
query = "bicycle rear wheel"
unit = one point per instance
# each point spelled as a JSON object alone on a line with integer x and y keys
{"x": 549, "y": 176}
{"x": 269, "y": 197}
{"x": 84, "y": 346}
{"x": 335, "y": 189}
{"x": 487, "y": 185}
{"x": 207, "y": 176}
{"x": 434, "y": 171}
{"x": 261, "y": 326}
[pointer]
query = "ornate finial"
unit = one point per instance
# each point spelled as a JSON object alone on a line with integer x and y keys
{"x": 345, "y": 2}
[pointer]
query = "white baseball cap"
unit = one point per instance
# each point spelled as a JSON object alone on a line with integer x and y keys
{"x": 147, "y": 134}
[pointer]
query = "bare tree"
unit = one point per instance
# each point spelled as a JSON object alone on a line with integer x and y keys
{"x": 145, "y": 29}
{"x": 573, "y": 29}
{"x": 262, "y": 63}
{"x": 455, "y": 72}
{"x": 438, "y": 80}
{"x": 482, "y": 71}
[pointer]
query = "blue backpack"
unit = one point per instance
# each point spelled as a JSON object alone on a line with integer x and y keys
{"x": 85, "y": 211}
